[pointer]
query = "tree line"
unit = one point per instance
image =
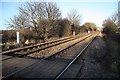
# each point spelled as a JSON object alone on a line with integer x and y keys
{"x": 110, "y": 27}
{"x": 43, "y": 20}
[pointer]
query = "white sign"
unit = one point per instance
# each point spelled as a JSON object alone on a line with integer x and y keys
{"x": 18, "y": 37}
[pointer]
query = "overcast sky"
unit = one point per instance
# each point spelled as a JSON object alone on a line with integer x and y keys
{"x": 90, "y": 11}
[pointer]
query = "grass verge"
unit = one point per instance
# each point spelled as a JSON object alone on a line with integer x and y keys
{"x": 113, "y": 54}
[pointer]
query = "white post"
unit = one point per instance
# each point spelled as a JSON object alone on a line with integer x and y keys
{"x": 88, "y": 31}
{"x": 74, "y": 33}
{"x": 18, "y": 38}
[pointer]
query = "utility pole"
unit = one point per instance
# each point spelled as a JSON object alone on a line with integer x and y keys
{"x": 119, "y": 14}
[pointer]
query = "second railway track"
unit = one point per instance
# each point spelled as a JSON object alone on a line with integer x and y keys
{"x": 21, "y": 52}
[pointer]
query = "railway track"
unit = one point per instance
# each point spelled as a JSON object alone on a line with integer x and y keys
{"x": 73, "y": 60}
{"x": 33, "y": 46}
{"x": 62, "y": 52}
{"x": 56, "y": 50}
{"x": 53, "y": 56}
{"x": 21, "y": 52}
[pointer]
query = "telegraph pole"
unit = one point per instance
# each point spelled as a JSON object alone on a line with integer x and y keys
{"x": 119, "y": 14}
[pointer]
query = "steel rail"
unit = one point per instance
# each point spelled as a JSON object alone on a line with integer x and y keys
{"x": 48, "y": 46}
{"x": 66, "y": 48}
{"x": 45, "y": 47}
{"x": 63, "y": 71}
{"x": 36, "y": 45}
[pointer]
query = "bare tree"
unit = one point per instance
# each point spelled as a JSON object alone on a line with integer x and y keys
{"x": 39, "y": 16}
{"x": 109, "y": 27}
{"x": 89, "y": 26}
{"x": 51, "y": 13}
{"x": 74, "y": 18}
{"x": 30, "y": 10}
{"x": 114, "y": 17}
{"x": 18, "y": 22}
{"x": 33, "y": 12}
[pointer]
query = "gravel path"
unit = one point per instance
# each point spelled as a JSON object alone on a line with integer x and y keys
{"x": 94, "y": 62}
